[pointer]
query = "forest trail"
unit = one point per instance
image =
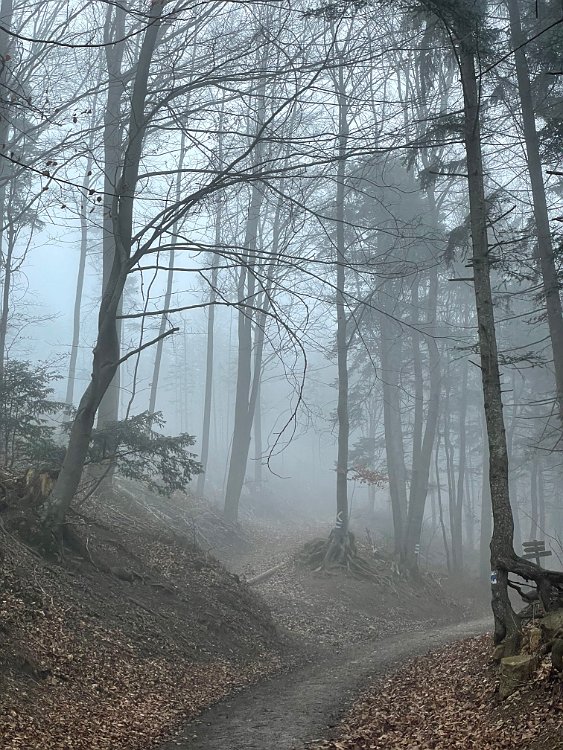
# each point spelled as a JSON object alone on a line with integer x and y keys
{"x": 288, "y": 710}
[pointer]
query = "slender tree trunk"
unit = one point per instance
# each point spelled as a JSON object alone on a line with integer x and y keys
{"x": 210, "y": 341}
{"x": 371, "y": 436}
{"x": 548, "y": 269}
{"x": 258, "y": 440}
{"x": 457, "y": 529}
{"x": 541, "y": 501}
{"x": 440, "y": 505}
{"x": 469, "y": 510}
{"x": 421, "y": 469}
{"x": 534, "y": 500}
{"x": 6, "y": 289}
{"x": 342, "y": 509}
{"x": 114, "y": 29}
{"x": 449, "y": 451}
{"x": 390, "y": 357}
{"x": 242, "y": 429}
{"x": 209, "y": 361}
{"x": 243, "y": 417}
{"x": 6, "y": 229}
{"x": 502, "y": 551}
{"x": 169, "y": 286}
{"x": 486, "y": 525}
{"x": 106, "y": 352}
{"x": 69, "y": 398}
{"x": 418, "y": 381}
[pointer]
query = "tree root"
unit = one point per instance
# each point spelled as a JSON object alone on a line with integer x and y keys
{"x": 338, "y": 554}
{"x": 75, "y": 542}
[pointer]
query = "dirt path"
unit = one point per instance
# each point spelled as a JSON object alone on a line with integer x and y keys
{"x": 287, "y": 710}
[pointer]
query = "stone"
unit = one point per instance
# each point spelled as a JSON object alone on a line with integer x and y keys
{"x": 533, "y": 640}
{"x": 512, "y": 644}
{"x": 557, "y": 655}
{"x": 551, "y": 623}
{"x": 515, "y": 671}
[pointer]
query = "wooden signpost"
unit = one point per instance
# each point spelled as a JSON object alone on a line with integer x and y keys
{"x": 535, "y": 549}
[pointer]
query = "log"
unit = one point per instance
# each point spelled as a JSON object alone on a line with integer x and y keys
{"x": 266, "y": 574}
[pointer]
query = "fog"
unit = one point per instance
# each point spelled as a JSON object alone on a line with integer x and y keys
{"x": 302, "y": 175}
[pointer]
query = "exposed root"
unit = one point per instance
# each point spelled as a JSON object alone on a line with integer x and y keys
{"x": 75, "y": 542}
{"x": 337, "y": 554}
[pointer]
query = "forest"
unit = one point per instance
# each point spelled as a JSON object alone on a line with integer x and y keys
{"x": 280, "y": 284}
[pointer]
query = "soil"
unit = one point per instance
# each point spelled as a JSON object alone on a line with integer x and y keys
{"x": 120, "y": 656}
{"x": 94, "y": 659}
{"x": 289, "y": 710}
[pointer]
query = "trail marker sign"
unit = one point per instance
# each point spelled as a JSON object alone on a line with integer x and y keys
{"x": 534, "y": 550}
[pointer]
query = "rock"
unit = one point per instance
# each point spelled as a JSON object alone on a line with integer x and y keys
{"x": 551, "y": 623}
{"x": 533, "y": 640}
{"x": 557, "y": 654}
{"x": 510, "y": 646}
{"x": 515, "y": 671}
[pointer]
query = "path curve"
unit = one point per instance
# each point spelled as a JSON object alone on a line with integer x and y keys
{"x": 287, "y": 710}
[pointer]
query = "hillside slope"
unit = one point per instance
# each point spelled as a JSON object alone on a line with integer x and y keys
{"x": 113, "y": 658}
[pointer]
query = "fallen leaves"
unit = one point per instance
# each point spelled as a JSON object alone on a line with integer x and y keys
{"x": 90, "y": 662}
{"x": 448, "y": 700}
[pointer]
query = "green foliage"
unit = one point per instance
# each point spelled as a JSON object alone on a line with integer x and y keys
{"x": 26, "y": 408}
{"x": 161, "y": 462}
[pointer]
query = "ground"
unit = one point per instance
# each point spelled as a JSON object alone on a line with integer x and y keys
{"x": 449, "y": 698}
{"x": 121, "y": 645}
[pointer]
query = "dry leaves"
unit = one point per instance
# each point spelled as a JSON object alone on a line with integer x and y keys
{"x": 448, "y": 700}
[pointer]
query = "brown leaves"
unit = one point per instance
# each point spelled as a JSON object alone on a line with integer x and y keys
{"x": 448, "y": 700}
{"x": 91, "y": 662}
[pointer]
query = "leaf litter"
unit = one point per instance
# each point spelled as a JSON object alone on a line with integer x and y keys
{"x": 449, "y": 699}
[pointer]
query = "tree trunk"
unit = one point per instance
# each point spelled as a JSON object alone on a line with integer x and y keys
{"x": 114, "y": 29}
{"x": 390, "y": 356}
{"x": 457, "y": 528}
{"x": 541, "y": 501}
{"x": 243, "y": 417}
{"x": 6, "y": 46}
{"x": 169, "y": 285}
{"x": 210, "y": 341}
{"x": 502, "y": 552}
{"x": 10, "y": 235}
{"x": 106, "y": 352}
{"x": 242, "y": 429}
{"x": 342, "y": 510}
{"x": 421, "y": 469}
{"x": 69, "y": 398}
{"x": 486, "y": 525}
{"x": 418, "y": 381}
{"x": 258, "y": 441}
{"x": 440, "y": 506}
{"x": 534, "y": 500}
{"x": 548, "y": 269}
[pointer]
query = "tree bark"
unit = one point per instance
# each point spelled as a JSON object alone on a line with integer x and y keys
{"x": 534, "y": 500}
{"x": 421, "y": 470}
{"x": 342, "y": 510}
{"x": 502, "y": 551}
{"x": 548, "y": 269}
{"x": 69, "y": 398}
{"x": 169, "y": 285}
{"x": 113, "y": 134}
{"x": 210, "y": 341}
{"x": 390, "y": 356}
{"x": 106, "y": 352}
{"x": 440, "y": 505}
{"x": 486, "y": 525}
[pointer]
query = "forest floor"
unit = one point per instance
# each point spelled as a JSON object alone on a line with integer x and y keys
{"x": 93, "y": 660}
